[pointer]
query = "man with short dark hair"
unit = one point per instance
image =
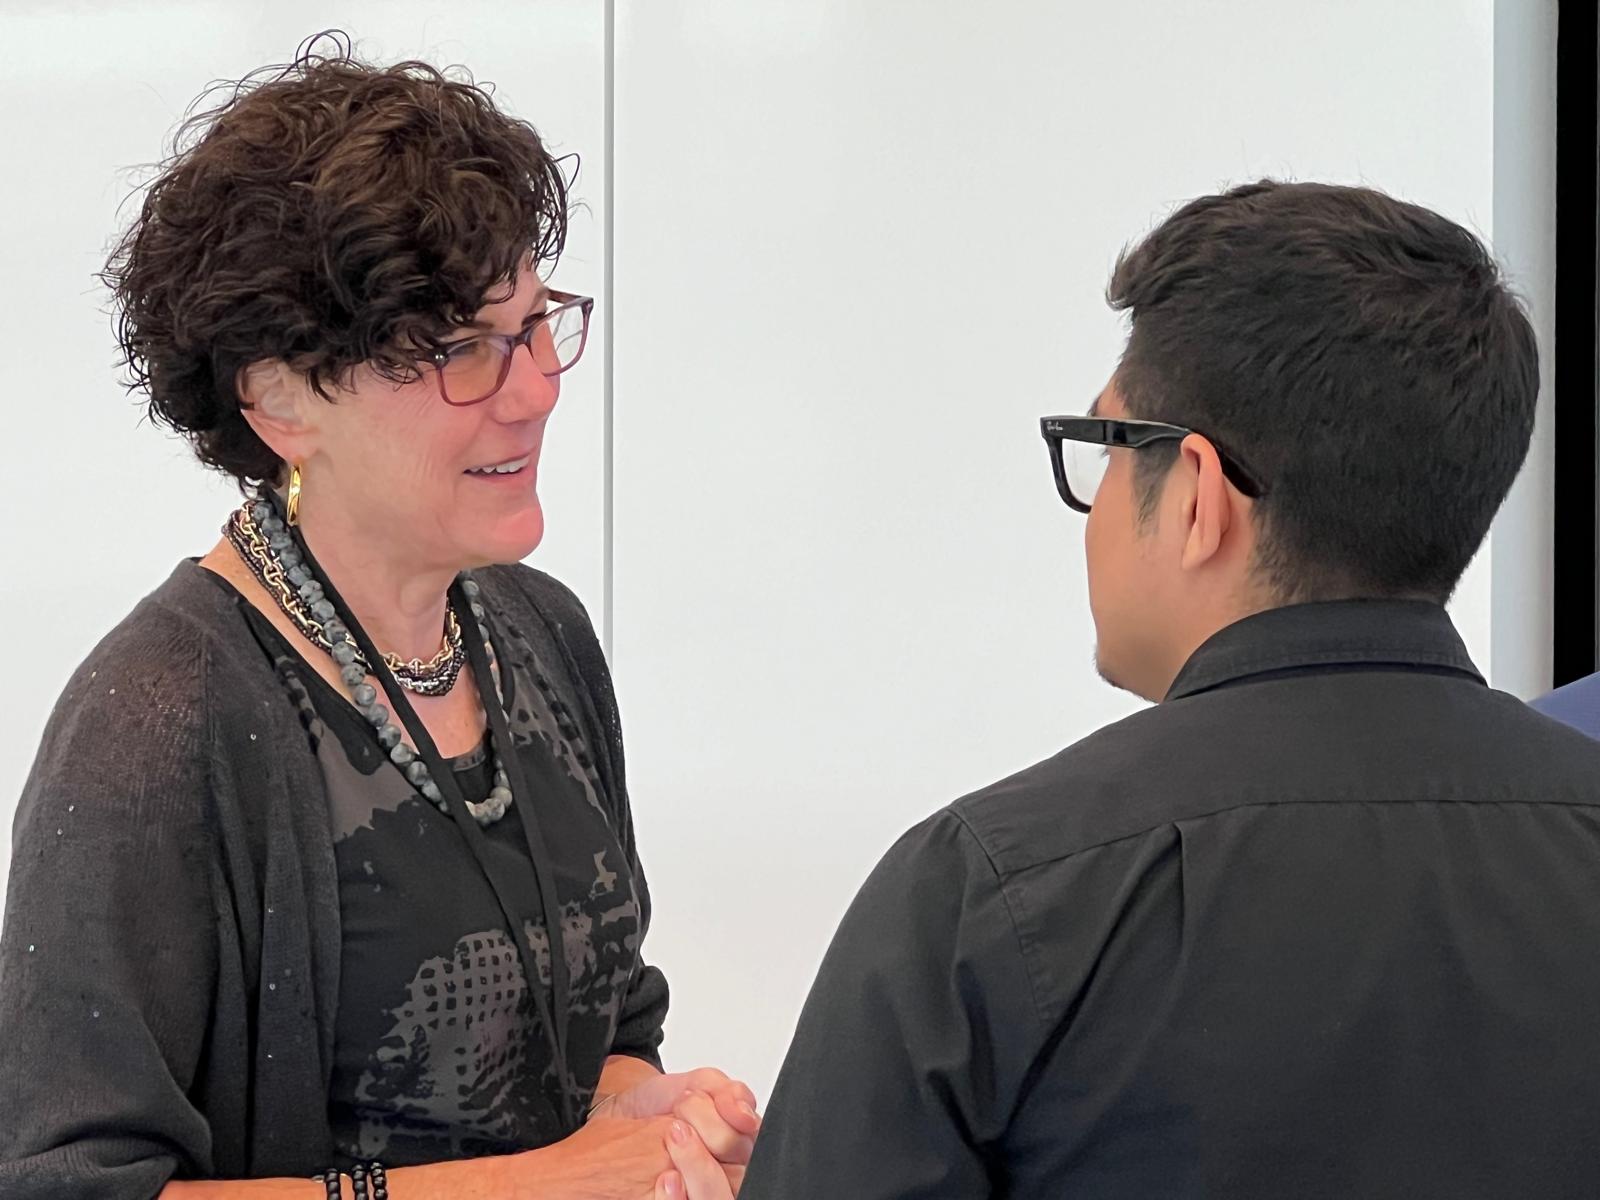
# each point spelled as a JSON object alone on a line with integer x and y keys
{"x": 1325, "y": 921}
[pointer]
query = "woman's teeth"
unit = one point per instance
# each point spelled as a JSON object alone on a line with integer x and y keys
{"x": 505, "y": 468}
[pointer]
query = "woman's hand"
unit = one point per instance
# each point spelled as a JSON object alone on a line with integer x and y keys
{"x": 609, "y": 1158}
{"x": 695, "y": 1174}
{"x": 720, "y": 1110}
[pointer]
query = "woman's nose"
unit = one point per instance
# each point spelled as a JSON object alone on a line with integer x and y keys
{"x": 528, "y": 393}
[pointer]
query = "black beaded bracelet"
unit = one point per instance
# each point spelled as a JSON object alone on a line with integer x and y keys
{"x": 361, "y": 1174}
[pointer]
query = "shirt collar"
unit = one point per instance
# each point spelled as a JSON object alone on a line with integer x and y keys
{"x": 1400, "y": 633}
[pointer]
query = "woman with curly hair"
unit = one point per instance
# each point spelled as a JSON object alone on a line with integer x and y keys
{"x": 324, "y": 881}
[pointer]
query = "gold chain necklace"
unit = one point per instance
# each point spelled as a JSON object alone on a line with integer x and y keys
{"x": 433, "y": 677}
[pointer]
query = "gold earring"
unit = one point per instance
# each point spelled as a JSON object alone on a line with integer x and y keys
{"x": 292, "y": 503}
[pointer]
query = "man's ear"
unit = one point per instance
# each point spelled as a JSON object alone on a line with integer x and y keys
{"x": 1209, "y": 509}
{"x": 273, "y": 398}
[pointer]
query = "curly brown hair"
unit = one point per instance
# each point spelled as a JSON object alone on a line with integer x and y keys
{"x": 328, "y": 213}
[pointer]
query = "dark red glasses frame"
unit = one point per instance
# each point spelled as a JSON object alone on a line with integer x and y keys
{"x": 564, "y": 302}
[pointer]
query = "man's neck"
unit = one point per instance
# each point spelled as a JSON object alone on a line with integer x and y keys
{"x": 1204, "y": 624}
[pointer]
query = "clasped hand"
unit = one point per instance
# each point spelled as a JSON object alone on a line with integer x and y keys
{"x": 711, "y": 1137}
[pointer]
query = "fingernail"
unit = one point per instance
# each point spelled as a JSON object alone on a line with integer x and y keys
{"x": 680, "y": 1133}
{"x": 746, "y": 1109}
{"x": 674, "y": 1186}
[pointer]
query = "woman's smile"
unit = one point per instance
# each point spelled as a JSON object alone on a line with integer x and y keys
{"x": 523, "y": 468}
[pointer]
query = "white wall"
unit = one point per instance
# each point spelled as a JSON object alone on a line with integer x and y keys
{"x": 859, "y": 248}
{"x": 1523, "y": 544}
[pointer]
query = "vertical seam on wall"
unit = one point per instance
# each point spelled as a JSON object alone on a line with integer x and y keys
{"x": 608, "y": 278}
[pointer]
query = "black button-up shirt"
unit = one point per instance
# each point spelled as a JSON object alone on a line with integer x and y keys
{"x": 1325, "y": 923}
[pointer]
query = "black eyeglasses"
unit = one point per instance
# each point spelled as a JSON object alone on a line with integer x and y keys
{"x": 1079, "y": 446}
{"x": 475, "y": 368}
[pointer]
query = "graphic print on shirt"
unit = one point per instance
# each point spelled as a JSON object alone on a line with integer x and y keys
{"x": 440, "y": 1050}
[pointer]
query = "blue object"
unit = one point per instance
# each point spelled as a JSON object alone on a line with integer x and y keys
{"x": 1577, "y": 704}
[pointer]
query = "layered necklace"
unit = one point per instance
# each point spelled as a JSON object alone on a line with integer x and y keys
{"x": 267, "y": 548}
{"x": 264, "y": 542}
{"x": 275, "y": 552}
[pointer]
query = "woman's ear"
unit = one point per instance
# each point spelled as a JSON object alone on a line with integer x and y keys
{"x": 273, "y": 400}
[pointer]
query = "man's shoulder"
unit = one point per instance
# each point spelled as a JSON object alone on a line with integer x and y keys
{"x": 1108, "y": 786}
{"x": 1329, "y": 739}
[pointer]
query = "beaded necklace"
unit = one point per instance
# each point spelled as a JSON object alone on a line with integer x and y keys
{"x": 276, "y": 563}
{"x": 284, "y": 561}
{"x": 511, "y": 778}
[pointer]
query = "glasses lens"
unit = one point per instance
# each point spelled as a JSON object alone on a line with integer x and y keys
{"x": 473, "y": 369}
{"x": 558, "y": 340}
{"x": 1085, "y": 464}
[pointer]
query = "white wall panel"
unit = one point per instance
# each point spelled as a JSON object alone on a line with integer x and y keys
{"x": 1523, "y": 542}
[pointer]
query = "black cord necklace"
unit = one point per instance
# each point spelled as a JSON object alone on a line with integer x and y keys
{"x": 553, "y": 1008}
{"x": 266, "y": 553}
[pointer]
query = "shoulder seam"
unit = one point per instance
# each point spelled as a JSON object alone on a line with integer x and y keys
{"x": 1146, "y": 830}
{"x": 1011, "y": 904}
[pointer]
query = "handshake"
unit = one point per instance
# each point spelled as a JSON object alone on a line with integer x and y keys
{"x": 686, "y": 1136}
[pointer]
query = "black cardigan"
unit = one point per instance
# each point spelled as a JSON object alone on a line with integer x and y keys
{"x": 169, "y": 965}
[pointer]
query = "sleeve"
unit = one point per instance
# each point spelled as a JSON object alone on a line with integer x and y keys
{"x": 643, "y": 1014}
{"x": 108, "y": 952}
{"x": 642, "y": 1020}
{"x": 913, "y": 1047}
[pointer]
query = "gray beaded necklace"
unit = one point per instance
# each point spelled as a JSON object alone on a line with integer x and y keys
{"x": 354, "y": 676}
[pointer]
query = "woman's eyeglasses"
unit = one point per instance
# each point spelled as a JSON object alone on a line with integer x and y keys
{"x": 475, "y": 368}
{"x": 1080, "y": 447}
